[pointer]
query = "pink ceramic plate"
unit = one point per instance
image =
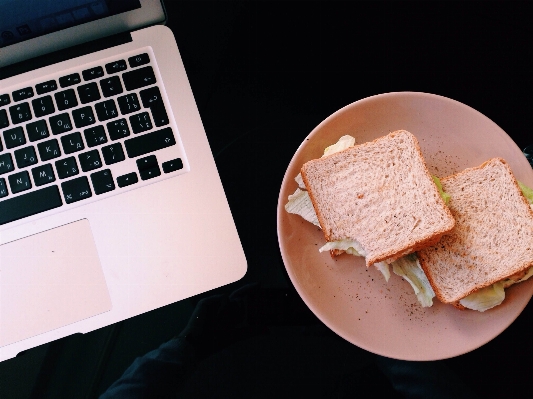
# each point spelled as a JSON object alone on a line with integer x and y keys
{"x": 356, "y": 302}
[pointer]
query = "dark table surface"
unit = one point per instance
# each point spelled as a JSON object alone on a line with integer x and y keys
{"x": 264, "y": 74}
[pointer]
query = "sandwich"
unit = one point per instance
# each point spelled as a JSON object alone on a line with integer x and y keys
{"x": 491, "y": 246}
{"x": 376, "y": 200}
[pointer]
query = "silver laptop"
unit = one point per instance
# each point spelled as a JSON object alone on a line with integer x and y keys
{"x": 110, "y": 200}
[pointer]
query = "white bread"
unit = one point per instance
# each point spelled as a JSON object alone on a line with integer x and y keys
{"x": 380, "y": 194}
{"x": 493, "y": 236}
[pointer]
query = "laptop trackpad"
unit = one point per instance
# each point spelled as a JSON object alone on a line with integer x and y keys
{"x": 49, "y": 280}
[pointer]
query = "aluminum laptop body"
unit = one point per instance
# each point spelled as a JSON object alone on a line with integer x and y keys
{"x": 110, "y": 201}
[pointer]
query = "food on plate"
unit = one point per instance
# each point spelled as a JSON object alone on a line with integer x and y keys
{"x": 491, "y": 246}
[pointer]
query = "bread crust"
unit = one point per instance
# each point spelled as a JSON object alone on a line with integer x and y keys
{"x": 429, "y": 257}
{"x": 415, "y": 243}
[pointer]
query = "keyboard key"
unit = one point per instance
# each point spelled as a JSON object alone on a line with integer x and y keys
{"x": 128, "y": 103}
{"x": 139, "y": 60}
{"x": 172, "y": 166}
{"x": 23, "y": 94}
{"x": 76, "y": 189}
{"x": 3, "y": 188}
{"x": 90, "y": 160}
{"x": 72, "y": 142}
{"x": 111, "y": 86}
{"x": 88, "y": 93}
{"x": 43, "y": 106}
{"x": 140, "y": 122}
{"x": 149, "y": 142}
{"x": 116, "y": 66}
{"x": 106, "y": 110}
{"x": 127, "y": 179}
{"x": 14, "y": 137}
{"x": 118, "y": 129}
{"x": 148, "y": 167}
{"x": 69, "y": 80}
{"x": 19, "y": 182}
{"x": 29, "y": 204}
{"x": 139, "y": 78}
{"x": 151, "y": 98}
{"x": 48, "y": 150}
{"x": 4, "y": 100}
{"x": 37, "y": 130}
{"x": 60, "y": 123}
{"x": 46, "y": 87}
{"x": 66, "y": 99}
{"x": 83, "y": 116}
{"x": 4, "y": 122}
{"x": 25, "y": 157}
{"x": 93, "y": 73}
{"x": 20, "y": 113}
{"x": 113, "y": 153}
{"x": 6, "y": 163}
{"x": 102, "y": 182}
{"x": 67, "y": 167}
{"x": 43, "y": 174}
{"x": 95, "y": 136}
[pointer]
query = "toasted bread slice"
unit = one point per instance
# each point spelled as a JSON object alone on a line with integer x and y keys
{"x": 493, "y": 236}
{"x": 380, "y": 194}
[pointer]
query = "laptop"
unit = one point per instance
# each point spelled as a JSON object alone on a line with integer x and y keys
{"x": 110, "y": 201}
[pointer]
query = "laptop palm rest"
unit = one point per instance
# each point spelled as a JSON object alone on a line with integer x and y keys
{"x": 49, "y": 280}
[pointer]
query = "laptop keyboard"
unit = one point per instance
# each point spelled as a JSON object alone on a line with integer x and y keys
{"x": 84, "y": 135}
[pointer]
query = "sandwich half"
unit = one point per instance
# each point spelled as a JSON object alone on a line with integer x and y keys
{"x": 491, "y": 246}
{"x": 377, "y": 199}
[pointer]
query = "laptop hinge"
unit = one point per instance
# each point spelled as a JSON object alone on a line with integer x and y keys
{"x": 65, "y": 54}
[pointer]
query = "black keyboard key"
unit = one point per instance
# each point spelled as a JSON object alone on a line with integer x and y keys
{"x": 4, "y": 100}
{"x": 37, "y": 130}
{"x": 76, "y": 189}
{"x": 23, "y": 94}
{"x": 6, "y": 163}
{"x": 139, "y": 78}
{"x": 173, "y": 165}
{"x": 46, "y": 87}
{"x": 159, "y": 114}
{"x": 69, "y": 80}
{"x": 151, "y": 98}
{"x": 90, "y": 160}
{"x": 19, "y": 182}
{"x": 43, "y": 174}
{"x": 67, "y": 167}
{"x": 43, "y": 106}
{"x": 20, "y": 113}
{"x": 127, "y": 179}
{"x": 106, "y": 110}
{"x": 48, "y": 150}
{"x": 25, "y": 157}
{"x": 116, "y": 66}
{"x": 4, "y": 121}
{"x": 3, "y": 188}
{"x": 95, "y": 136}
{"x": 60, "y": 123}
{"x": 29, "y": 204}
{"x": 66, "y": 99}
{"x": 93, "y": 73}
{"x": 113, "y": 153}
{"x": 83, "y": 116}
{"x": 149, "y": 142}
{"x": 138, "y": 60}
{"x": 129, "y": 103}
{"x": 14, "y": 137}
{"x": 102, "y": 182}
{"x": 148, "y": 167}
{"x": 72, "y": 142}
{"x": 118, "y": 129}
{"x": 111, "y": 86}
{"x": 88, "y": 93}
{"x": 140, "y": 122}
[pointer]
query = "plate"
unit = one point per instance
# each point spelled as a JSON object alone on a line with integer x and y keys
{"x": 356, "y": 302}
